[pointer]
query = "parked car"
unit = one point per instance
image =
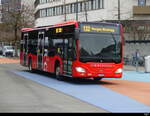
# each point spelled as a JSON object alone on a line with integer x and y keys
{"x": 1, "y": 50}
{"x": 8, "y": 51}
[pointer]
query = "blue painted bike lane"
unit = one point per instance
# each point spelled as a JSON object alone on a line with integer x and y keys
{"x": 94, "y": 94}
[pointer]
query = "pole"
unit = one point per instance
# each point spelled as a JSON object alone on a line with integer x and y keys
{"x": 76, "y": 10}
{"x": 86, "y": 18}
{"x": 65, "y": 15}
{"x": 119, "y": 11}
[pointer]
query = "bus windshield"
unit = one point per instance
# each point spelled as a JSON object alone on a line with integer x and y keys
{"x": 95, "y": 47}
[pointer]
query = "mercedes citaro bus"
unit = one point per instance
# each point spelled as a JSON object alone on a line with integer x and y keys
{"x": 74, "y": 49}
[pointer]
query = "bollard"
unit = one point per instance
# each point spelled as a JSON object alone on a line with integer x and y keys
{"x": 147, "y": 64}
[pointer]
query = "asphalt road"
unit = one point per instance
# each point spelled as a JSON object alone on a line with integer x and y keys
{"x": 22, "y": 95}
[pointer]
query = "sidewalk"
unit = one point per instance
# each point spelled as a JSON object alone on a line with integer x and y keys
{"x": 130, "y": 74}
{"x": 133, "y": 68}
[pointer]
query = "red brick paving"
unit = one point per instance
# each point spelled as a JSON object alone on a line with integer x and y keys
{"x": 139, "y": 91}
{"x": 8, "y": 60}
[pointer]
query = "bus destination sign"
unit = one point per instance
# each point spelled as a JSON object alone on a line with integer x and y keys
{"x": 96, "y": 29}
{"x": 99, "y": 28}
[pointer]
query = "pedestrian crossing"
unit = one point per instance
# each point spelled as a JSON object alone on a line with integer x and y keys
{"x": 8, "y": 61}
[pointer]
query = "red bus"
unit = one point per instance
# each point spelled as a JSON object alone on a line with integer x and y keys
{"x": 74, "y": 49}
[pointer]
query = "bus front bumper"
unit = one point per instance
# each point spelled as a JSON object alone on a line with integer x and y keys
{"x": 92, "y": 70}
{"x": 98, "y": 75}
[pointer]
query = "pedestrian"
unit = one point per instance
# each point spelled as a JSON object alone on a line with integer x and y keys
{"x": 133, "y": 59}
{"x": 137, "y": 58}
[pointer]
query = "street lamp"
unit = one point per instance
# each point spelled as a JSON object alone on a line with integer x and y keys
{"x": 119, "y": 11}
{"x": 76, "y": 10}
{"x": 85, "y": 9}
{"x": 65, "y": 15}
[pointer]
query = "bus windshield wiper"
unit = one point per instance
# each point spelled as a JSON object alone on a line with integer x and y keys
{"x": 114, "y": 39}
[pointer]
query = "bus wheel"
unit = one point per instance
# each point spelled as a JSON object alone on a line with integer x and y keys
{"x": 57, "y": 73}
{"x": 97, "y": 79}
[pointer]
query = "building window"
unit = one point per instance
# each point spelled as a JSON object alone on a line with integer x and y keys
{"x": 71, "y": 8}
{"x": 79, "y": 7}
{"x": 59, "y": 10}
{"x": 94, "y": 4}
{"x": 89, "y": 5}
{"x": 141, "y": 2}
{"x": 68, "y": 8}
{"x": 64, "y": 10}
{"x": 50, "y": 12}
{"x": 54, "y": 11}
{"x": 43, "y": 1}
{"x": 83, "y": 6}
{"x": 43, "y": 13}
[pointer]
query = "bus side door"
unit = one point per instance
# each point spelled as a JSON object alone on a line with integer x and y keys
{"x": 25, "y": 48}
{"x": 40, "y": 50}
{"x": 67, "y": 56}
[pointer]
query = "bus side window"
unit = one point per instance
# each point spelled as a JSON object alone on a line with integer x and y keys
{"x": 25, "y": 43}
{"x": 59, "y": 47}
{"x": 41, "y": 43}
{"x": 51, "y": 48}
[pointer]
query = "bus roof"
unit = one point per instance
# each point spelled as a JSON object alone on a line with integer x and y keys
{"x": 76, "y": 23}
{"x": 26, "y": 29}
{"x": 51, "y": 26}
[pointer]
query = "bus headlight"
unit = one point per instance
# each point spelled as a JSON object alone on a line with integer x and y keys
{"x": 80, "y": 69}
{"x": 119, "y": 70}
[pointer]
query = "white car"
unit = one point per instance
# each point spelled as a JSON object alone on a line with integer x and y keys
{"x": 1, "y": 51}
{"x": 8, "y": 51}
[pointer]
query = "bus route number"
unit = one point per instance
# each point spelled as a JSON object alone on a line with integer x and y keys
{"x": 59, "y": 30}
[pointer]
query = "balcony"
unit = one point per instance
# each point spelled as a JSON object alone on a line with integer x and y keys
{"x": 141, "y": 10}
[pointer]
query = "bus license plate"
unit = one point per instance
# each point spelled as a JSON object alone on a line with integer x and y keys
{"x": 101, "y": 75}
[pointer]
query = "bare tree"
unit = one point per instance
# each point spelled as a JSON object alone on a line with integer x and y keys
{"x": 18, "y": 19}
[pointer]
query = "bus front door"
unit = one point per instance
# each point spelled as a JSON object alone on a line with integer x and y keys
{"x": 25, "y": 48}
{"x": 67, "y": 63}
{"x": 40, "y": 50}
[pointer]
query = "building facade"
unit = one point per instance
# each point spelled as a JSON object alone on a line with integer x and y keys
{"x": 0, "y": 12}
{"x": 48, "y": 12}
{"x": 12, "y": 5}
{"x": 9, "y": 6}
{"x": 133, "y": 14}
{"x": 29, "y": 3}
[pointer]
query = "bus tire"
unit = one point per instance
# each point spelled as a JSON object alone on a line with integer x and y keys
{"x": 57, "y": 73}
{"x": 97, "y": 79}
